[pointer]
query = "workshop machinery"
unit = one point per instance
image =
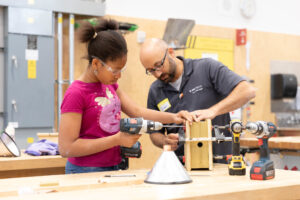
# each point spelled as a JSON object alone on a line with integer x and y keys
{"x": 263, "y": 169}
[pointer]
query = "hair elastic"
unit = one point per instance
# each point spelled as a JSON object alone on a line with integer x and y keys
{"x": 95, "y": 35}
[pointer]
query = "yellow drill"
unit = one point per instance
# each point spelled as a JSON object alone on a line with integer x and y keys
{"x": 236, "y": 163}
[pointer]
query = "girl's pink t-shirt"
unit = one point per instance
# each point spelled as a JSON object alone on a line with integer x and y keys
{"x": 101, "y": 110}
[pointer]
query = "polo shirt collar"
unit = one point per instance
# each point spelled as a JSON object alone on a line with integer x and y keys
{"x": 187, "y": 69}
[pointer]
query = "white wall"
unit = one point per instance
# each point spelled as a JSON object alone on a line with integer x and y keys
{"x": 281, "y": 16}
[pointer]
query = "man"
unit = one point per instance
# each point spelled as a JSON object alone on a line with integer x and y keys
{"x": 204, "y": 86}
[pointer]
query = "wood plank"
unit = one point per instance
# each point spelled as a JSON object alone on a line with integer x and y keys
{"x": 187, "y": 147}
{"x": 27, "y": 165}
{"x": 288, "y": 142}
{"x": 26, "y": 161}
{"x": 100, "y": 183}
{"x": 70, "y": 182}
{"x": 32, "y": 172}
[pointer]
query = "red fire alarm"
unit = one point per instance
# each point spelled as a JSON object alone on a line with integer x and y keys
{"x": 241, "y": 37}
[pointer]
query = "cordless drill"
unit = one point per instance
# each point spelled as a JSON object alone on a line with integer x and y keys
{"x": 263, "y": 169}
{"x": 236, "y": 162}
{"x": 139, "y": 125}
{"x": 136, "y": 126}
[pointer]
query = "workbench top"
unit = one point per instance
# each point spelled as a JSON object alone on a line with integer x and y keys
{"x": 215, "y": 184}
{"x": 27, "y": 165}
{"x": 284, "y": 142}
{"x": 26, "y": 161}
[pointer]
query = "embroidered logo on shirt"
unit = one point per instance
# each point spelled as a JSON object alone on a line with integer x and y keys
{"x": 196, "y": 89}
{"x": 164, "y": 105}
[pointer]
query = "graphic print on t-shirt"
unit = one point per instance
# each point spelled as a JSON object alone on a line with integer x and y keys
{"x": 109, "y": 119}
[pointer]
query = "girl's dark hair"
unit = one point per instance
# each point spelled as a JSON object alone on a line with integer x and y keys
{"x": 103, "y": 40}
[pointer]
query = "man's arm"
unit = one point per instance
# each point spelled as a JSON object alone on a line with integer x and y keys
{"x": 239, "y": 96}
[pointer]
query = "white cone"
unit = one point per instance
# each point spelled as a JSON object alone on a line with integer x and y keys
{"x": 168, "y": 170}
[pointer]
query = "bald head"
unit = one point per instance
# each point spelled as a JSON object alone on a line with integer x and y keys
{"x": 152, "y": 51}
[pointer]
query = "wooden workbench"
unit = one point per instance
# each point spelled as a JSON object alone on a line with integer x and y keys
{"x": 27, "y": 165}
{"x": 215, "y": 184}
{"x": 286, "y": 142}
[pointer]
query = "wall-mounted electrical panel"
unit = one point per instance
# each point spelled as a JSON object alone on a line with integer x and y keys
{"x": 28, "y": 71}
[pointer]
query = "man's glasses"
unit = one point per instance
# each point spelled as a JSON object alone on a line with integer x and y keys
{"x": 113, "y": 71}
{"x": 157, "y": 67}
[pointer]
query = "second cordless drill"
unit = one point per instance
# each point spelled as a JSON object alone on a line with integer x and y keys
{"x": 263, "y": 169}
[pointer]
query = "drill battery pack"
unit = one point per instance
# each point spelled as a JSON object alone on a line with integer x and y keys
{"x": 262, "y": 170}
{"x": 237, "y": 166}
{"x": 132, "y": 152}
{"x": 237, "y": 172}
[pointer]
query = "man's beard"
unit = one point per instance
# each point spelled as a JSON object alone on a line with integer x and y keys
{"x": 171, "y": 73}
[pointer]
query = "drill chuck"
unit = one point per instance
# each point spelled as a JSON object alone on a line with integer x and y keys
{"x": 261, "y": 129}
{"x": 254, "y": 128}
{"x": 149, "y": 126}
{"x": 236, "y": 127}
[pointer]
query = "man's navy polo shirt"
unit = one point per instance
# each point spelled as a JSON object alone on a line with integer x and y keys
{"x": 205, "y": 82}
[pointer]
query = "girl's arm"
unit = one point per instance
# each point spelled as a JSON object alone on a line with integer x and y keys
{"x": 70, "y": 145}
{"x": 133, "y": 110}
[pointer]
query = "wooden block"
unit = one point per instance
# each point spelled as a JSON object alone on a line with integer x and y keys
{"x": 198, "y": 155}
{"x": 187, "y": 147}
{"x": 49, "y": 183}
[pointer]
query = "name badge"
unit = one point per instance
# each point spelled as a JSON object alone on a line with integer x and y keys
{"x": 164, "y": 105}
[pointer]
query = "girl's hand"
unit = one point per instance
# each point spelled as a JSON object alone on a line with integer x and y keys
{"x": 127, "y": 139}
{"x": 182, "y": 116}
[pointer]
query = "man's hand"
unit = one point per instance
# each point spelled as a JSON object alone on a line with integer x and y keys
{"x": 182, "y": 116}
{"x": 172, "y": 140}
{"x": 199, "y": 115}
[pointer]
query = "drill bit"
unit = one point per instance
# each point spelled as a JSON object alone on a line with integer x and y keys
{"x": 207, "y": 139}
{"x": 173, "y": 126}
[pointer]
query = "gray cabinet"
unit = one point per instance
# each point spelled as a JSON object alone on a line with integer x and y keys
{"x": 28, "y": 101}
{"x": 28, "y": 72}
